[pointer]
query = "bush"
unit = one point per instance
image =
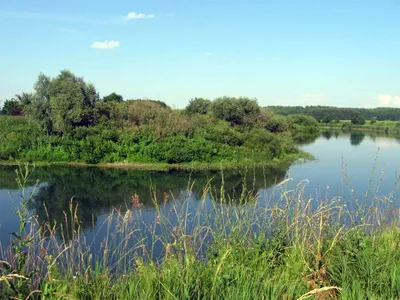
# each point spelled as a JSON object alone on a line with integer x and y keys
{"x": 357, "y": 119}
{"x": 221, "y": 132}
{"x": 197, "y": 106}
{"x": 277, "y": 124}
{"x": 237, "y": 111}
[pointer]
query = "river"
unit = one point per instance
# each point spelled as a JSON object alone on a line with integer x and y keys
{"x": 345, "y": 165}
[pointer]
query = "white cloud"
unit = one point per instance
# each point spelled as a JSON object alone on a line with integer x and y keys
{"x": 105, "y": 45}
{"x": 388, "y": 100}
{"x": 137, "y": 16}
{"x": 208, "y": 54}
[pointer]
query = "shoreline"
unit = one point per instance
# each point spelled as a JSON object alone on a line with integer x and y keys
{"x": 197, "y": 166}
{"x": 367, "y": 128}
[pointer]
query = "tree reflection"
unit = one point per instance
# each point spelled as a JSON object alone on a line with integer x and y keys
{"x": 305, "y": 138}
{"x": 97, "y": 191}
{"x": 327, "y": 134}
{"x": 356, "y": 138}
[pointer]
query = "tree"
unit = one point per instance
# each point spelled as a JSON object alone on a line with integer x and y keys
{"x": 39, "y": 107}
{"x": 327, "y": 118}
{"x": 71, "y": 101}
{"x": 198, "y": 106}
{"x": 62, "y": 103}
{"x": 357, "y": 119}
{"x": 24, "y": 99}
{"x": 303, "y": 120}
{"x": 237, "y": 111}
{"x": 12, "y": 107}
{"x": 113, "y": 97}
{"x": 276, "y": 124}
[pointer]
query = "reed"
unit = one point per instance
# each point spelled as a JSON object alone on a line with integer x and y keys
{"x": 282, "y": 245}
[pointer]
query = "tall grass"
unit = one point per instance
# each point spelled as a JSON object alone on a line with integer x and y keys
{"x": 288, "y": 246}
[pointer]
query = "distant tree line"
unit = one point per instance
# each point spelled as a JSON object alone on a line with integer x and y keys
{"x": 327, "y": 114}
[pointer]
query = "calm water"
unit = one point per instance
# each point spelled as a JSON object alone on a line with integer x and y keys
{"x": 344, "y": 161}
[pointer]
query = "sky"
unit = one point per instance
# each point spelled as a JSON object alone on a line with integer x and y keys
{"x": 281, "y": 52}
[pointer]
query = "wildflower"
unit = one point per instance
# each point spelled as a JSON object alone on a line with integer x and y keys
{"x": 158, "y": 218}
{"x": 136, "y": 201}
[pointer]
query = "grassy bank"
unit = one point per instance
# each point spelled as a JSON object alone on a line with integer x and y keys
{"x": 292, "y": 247}
{"x": 195, "y": 166}
{"x": 173, "y": 140}
{"x": 389, "y": 127}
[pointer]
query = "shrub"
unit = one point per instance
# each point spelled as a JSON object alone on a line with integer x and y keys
{"x": 237, "y": 111}
{"x": 197, "y": 106}
{"x": 357, "y": 119}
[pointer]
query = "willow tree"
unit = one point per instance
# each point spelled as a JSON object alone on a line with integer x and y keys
{"x": 62, "y": 103}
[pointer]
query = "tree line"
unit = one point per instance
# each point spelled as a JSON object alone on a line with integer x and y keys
{"x": 326, "y": 114}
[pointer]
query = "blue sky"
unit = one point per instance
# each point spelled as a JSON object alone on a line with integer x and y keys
{"x": 298, "y": 52}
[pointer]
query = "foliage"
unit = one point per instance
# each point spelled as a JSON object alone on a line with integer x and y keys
{"x": 12, "y": 107}
{"x": 338, "y": 113}
{"x": 71, "y": 102}
{"x": 66, "y": 122}
{"x": 113, "y": 97}
{"x": 62, "y": 103}
{"x": 17, "y": 273}
{"x": 236, "y": 111}
{"x": 293, "y": 247}
{"x": 357, "y": 119}
{"x": 303, "y": 120}
{"x": 327, "y": 118}
{"x": 198, "y": 106}
{"x": 276, "y": 124}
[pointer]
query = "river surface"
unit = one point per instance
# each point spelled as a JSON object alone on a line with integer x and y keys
{"x": 345, "y": 165}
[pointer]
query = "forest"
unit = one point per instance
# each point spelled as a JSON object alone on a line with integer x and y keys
{"x": 65, "y": 120}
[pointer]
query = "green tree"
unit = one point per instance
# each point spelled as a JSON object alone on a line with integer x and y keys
{"x": 12, "y": 107}
{"x": 303, "y": 120}
{"x": 237, "y": 111}
{"x": 39, "y": 107}
{"x": 62, "y": 103}
{"x": 113, "y": 97}
{"x": 327, "y": 118}
{"x": 198, "y": 106}
{"x": 24, "y": 99}
{"x": 71, "y": 102}
{"x": 357, "y": 119}
{"x": 276, "y": 124}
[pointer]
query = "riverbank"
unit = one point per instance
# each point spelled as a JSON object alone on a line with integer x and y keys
{"x": 196, "y": 166}
{"x": 296, "y": 248}
{"x": 387, "y": 127}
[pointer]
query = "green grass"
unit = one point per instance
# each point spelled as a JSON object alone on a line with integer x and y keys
{"x": 295, "y": 247}
{"x": 194, "y": 166}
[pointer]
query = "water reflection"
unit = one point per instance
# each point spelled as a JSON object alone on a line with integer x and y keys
{"x": 306, "y": 138}
{"x": 97, "y": 191}
{"x": 327, "y": 134}
{"x": 356, "y": 138}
